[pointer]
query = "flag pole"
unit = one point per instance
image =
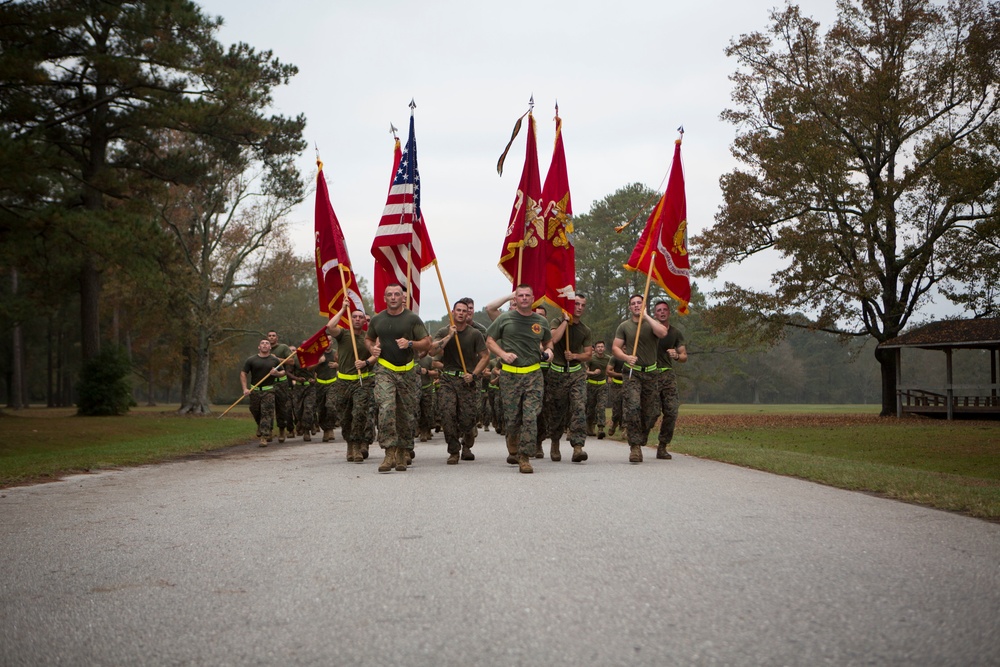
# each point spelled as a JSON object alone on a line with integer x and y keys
{"x": 645, "y": 296}
{"x": 240, "y": 399}
{"x": 447, "y": 304}
{"x": 350, "y": 319}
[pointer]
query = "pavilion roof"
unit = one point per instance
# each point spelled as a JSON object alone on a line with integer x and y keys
{"x": 981, "y": 333}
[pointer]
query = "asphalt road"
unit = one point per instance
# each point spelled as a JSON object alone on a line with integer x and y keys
{"x": 291, "y": 556}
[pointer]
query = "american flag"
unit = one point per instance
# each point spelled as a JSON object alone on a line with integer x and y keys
{"x": 401, "y": 246}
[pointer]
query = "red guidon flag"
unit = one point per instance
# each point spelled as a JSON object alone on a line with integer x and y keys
{"x": 331, "y": 256}
{"x": 557, "y": 213}
{"x": 522, "y": 257}
{"x": 661, "y": 252}
{"x": 402, "y": 247}
{"x": 311, "y": 351}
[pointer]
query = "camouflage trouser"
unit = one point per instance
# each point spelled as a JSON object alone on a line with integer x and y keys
{"x": 669, "y": 406}
{"x": 262, "y": 409}
{"x": 543, "y": 428}
{"x": 459, "y": 409}
{"x": 283, "y": 404}
{"x": 521, "y": 396}
{"x": 565, "y": 405}
{"x": 496, "y": 407}
{"x": 326, "y": 405}
{"x": 640, "y": 405}
{"x": 305, "y": 416}
{"x": 425, "y": 421}
{"x": 396, "y": 397}
{"x": 353, "y": 405}
{"x": 485, "y": 410}
{"x": 615, "y": 399}
{"x": 597, "y": 395}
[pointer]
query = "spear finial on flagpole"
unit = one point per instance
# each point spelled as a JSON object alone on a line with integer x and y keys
{"x": 531, "y": 103}
{"x": 319, "y": 163}
{"x": 393, "y": 130}
{"x": 413, "y": 105}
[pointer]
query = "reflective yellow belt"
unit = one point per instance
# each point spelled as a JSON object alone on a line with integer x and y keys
{"x": 616, "y": 381}
{"x": 282, "y": 379}
{"x": 264, "y": 388}
{"x": 520, "y": 369}
{"x": 394, "y": 367}
{"x": 330, "y": 381}
{"x": 355, "y": 376}
{"x": 666, "y": 368}
{"x": 560, "y": 369}
{"x": 642, "y": 369}
{"x": 597, "y": 381}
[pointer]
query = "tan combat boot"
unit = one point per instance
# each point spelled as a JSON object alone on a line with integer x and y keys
{"x": 452, "y": 459}
{"x": 635, "y": 454}
{"x": 281, "y": 435}
{"x": 662, "y": 453}
{"x": 307, "y": 437}
{"x": 364, "y": 452}
{"x": 389, "y": 462}
{"x": 467, "y": 454}
{"x": 511, "y": 451}
{"x": 523, "y": 465}
{"x": 358, "y": 456}
{"x": 554, "y": 451}
{"x": 403, "y": 458}
{"x": 350, "y": 453}
{"x": 326, "y": 435}
{"x": 578, "y": 454}
{"x": 263, "y": 441}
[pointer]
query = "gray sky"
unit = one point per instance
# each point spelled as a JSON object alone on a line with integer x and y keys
{"x": 626, "y": 74}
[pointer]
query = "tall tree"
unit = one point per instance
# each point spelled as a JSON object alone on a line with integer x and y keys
{"x": 869, "y": 155}
{"x": 601, "y": 253}
{"x": 88, "y": 90}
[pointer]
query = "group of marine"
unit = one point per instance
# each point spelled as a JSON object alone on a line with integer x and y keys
{"x": 530, "y": 378}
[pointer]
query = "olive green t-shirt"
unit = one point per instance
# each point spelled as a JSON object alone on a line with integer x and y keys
{"x": 671, "y": 341}
{"x": 522, "y": 335}
{"x": 473, "y": 345}
{"x": 387, "y": 328}
{"x": 599, "y": 363}
{"x": 579, "y": 338}
{"x": 345, "y": 351}
{"x": 647, "y": 341}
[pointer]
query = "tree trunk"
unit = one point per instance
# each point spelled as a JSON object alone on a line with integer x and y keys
{"x": 197, "y": 402}
{"x": 15, "y": 397}
{"x": 887, "y": 364}
{"x": 90, "y": 309}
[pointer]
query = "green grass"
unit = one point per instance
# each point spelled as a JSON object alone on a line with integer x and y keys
{"x": 948, "y": 465}
{"x": 42, "y": 444}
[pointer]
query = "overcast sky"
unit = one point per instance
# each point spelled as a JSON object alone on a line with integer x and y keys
{"x": 626, "y": 74}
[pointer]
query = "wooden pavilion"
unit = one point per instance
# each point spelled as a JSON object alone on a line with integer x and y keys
{"x": 948, "y": 336}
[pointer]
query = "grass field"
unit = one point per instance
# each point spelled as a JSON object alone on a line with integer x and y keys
{"x": 41, "y": 444}
{"x": 948, "y": 465}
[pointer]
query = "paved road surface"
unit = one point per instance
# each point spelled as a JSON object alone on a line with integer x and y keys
{"x": 291, "y": 555}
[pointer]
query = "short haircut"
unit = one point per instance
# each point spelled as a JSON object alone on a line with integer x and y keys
{"x": 525, "y": 286}
{"x": 664, "y": 302}
{"x": 636, "y": 295}
{"x": 467, "y": 300}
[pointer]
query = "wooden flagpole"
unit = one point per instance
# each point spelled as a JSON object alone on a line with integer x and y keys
{"x": 461, "y": 357}
{"x": 240, "y": 399}
{"x": 350, "y": 319}
{"x": 645, "y": 296}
